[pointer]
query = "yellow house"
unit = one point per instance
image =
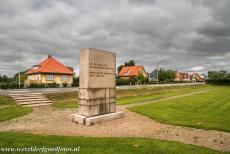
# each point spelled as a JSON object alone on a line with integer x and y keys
{"x": 50, "y": 71}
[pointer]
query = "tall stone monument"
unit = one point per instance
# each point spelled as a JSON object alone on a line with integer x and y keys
{"x": 97, "y": 91}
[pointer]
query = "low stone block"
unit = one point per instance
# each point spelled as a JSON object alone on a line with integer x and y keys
{"x": 79, "y": 118}
{"x": 101, "y": 118}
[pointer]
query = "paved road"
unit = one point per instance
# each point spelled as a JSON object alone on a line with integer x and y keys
{"x": 37, "y": 90}
{"x": 53, "y": 90}
{"x": 159, "y": 85}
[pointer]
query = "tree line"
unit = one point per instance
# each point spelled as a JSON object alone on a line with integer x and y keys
{"x": 218, "y": 77}
{"x": 10, "y": 82}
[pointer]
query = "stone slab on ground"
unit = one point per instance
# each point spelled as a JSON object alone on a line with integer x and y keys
{"x": 96, "y": 119}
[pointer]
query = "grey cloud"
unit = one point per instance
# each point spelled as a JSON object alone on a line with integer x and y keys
{"x": 185, "y": 33}
{"x": 211, "y": 47}
{"x": 211, "y": 30}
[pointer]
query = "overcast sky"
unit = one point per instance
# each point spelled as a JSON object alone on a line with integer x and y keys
{"x": 188, "y": 35}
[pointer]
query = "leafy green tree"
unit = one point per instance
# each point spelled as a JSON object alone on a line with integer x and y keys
{"x": 75, "y": 82}
{"x": 22, "y": 77}
{"x": 219, "y": 77}
{"x": 141, "y": 79}
{"x": 121, "y": 81}
{"x": 71, "y": 68}
{"x": 166, "y": 75}
{"x": 119, "y": 68}
{"x": 129, "y": 63}
{"x": 133, "y": 80}
{"x": 0, "y": 78}
{"x": 5, "y": 78}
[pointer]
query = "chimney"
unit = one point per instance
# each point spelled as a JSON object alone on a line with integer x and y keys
{"x": 49, "y": 56}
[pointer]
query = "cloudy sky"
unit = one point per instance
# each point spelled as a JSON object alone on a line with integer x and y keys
{"x": 186, "y": 35}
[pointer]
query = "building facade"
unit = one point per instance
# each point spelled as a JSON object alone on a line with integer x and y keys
{"x": 188, "y": 77}
{"x": 49, "y": 71}
{"x": 153, "y": 75}
{"x": 132, "y": 71}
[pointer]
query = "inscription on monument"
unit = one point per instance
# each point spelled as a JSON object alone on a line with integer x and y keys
{"x": 100, "y": 70}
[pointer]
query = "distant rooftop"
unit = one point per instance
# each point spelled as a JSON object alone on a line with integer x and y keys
{"x": 50, "y": 65}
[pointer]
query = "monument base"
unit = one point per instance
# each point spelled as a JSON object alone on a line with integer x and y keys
{"x": 96, "y": 119}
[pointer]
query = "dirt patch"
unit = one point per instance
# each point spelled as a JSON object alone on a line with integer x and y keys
{"x": 49, "y": 120}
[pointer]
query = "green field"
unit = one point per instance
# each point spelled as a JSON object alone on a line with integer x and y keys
{"x": 64, "y": 100}
{"x": 207, "y": 111}
{"x": 9, "y": 109}
{"x": 89, "y": 145}
{"x": 128, "y": 96}
{"x": 162, "y": 93}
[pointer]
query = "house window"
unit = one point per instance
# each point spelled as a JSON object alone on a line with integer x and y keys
{"x": 37, "y": 77}
{"x": 49, "y": 77}
{"x": 29, "y": 77}
{"x": 127, "y": 73}
{"x": 64, "y": 77}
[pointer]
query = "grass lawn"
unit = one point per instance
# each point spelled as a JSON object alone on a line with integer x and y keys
{"x": 207, "y": 111}
{"x": 64, "y": 100}
{"x": 89, "y": 145}
{"x": 9, "y": 109}
{"x": 65, "y": 104}
{"x": 162, "y": 93}
{"x": 127, "y": 96}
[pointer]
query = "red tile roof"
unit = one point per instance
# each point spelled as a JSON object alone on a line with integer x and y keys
{"x": 197, "y": 76}
{"x": 50, "y": 65}
{"x": 130, "y": 70}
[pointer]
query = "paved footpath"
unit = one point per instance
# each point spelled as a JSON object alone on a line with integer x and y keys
{"x": 59, "y": 122}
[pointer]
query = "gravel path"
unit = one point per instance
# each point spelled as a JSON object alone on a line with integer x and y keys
{"x": 49, "y": 120}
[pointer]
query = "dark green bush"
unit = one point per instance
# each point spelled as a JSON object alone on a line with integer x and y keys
{"x": 219, "y": 77}
{"x": 75, "y": 82}
{"x": 65, "y": 85}
{"x": 36, "y": 86}
{"x": 48, "y": 85}
{"x": 10, "y": 85}
{"x": 4, "y": 86}
{"x": 121, "y": 81}
{"x": 52, "y": 85}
